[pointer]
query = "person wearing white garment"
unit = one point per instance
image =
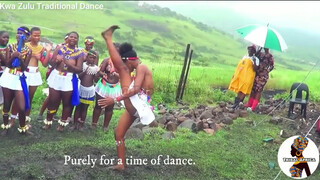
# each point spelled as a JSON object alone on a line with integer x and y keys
{"x": 39, "y": 54}
{"x": 135, "y": 91}
{"x": 4, "y": 39}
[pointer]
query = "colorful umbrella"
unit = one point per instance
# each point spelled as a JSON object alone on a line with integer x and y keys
{"x": 263, "y": 36}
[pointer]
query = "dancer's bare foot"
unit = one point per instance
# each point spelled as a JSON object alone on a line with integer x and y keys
{"x": 73, "y": 127}
{"x": 29, "y": 126}
{"x": 117, "y": 167}
{"x": 60, "y": 128}
{"x": 108, "y": 33}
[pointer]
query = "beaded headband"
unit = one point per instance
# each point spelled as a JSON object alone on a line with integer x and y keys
{"x": 129, "y": 58}
{"x": 25, "y": 31}
{"x": 89, "y": 41}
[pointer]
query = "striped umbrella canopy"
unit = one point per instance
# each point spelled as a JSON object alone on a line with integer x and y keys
{"x": 263, "y": 36}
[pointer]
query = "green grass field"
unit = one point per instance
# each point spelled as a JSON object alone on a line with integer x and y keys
{"x": 236, "y": 152}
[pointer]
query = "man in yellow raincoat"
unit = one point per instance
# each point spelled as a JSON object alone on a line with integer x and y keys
{"x": 243, "y": 77}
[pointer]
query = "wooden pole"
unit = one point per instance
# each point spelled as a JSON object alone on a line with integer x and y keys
{"x": 187, "y": 73}
{"x": 183, "y": 72}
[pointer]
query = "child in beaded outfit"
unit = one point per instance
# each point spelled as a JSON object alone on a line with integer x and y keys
{"x": 89, "y": 43}
{"x": 13, "y": 80}
{"x": 108, "y": 86}
{"x": 4, "y": 39}
{"x": 87, "y": 90}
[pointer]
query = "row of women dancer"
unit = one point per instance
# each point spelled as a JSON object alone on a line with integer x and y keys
{"x": 20, "y": 79}
{"x": 71, "y": 80}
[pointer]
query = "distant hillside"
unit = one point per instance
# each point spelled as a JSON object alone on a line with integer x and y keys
{"x": 303, "y": 45}
{"x": 158, "y": 34}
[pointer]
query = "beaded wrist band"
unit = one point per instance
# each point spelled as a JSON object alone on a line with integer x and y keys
{"x": 64, "y": 124}
{"x": 46, "y": 122}
{"x": 5, "y": 126}
{"x": 23, "y": 129}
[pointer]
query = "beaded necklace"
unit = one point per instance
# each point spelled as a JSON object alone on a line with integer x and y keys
{"x": 3, "y": 49}
{"x": 35, "y": 49}
{"x": 92, "y": 70}
{"x": 24, "y": 51}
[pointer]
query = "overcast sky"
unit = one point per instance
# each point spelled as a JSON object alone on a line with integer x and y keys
{"x": 285, "y": 13}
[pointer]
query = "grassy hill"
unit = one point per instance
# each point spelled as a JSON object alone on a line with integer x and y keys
{"x": 302, "y": 43}
{"x": 157, "y": 33}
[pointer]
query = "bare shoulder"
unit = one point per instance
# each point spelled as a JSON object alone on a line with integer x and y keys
{"x": 143, "y": 67}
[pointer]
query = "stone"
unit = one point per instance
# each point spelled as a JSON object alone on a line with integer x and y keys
{"x": 284, "y": 134}
{"x": 137, "y": 125}
{"x": 199, "y": 126}
{"x": 168, "y": 135}
{"x": 212, "y": 126}
{"x": 268, "y": 102}
{"x": 241, "y": 106}
{"x": 222, "y": 104}
{"x": 189, "y": 115}
{"x": 275, "y": 120}
{"x": 189, "y": 124}
{"x": 181, "y": 119}
{"x": 134, "y": 133}
{"x": 161, "y": 125}
{"x": 227, "y": 120}
{"x": 209, "y": 131}
{"x": 216, "y": 111}
{"x": 171, "y": 111}
{"x": 243, "y": 113}
{"x": 233, "y": 116}
{"x": 206, "y": 126}
{"x": 162, "y": 111}
{"x": 200, "y": 106}
{"x": 230, "y": 110}
{"x": 219, "y": 126}
{"x": 263, "y": 107}
{"x": 161, "y": 120}
{"x": 170, "y": 117}
{"x": 171, "y": 126}
{"x": 269, "y": 110}
{"x": 153, "y": 124}
{"x": 206, "y": 114}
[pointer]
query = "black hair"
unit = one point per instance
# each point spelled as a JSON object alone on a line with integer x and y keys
{"x": 126, "y": 50}
{"x": 74, "y": 32}
{"x": 93, "y": 52}
{"x": 2, "y": 32}
{"x": 89, "y": 37}
{"x": 34, "y": 29}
